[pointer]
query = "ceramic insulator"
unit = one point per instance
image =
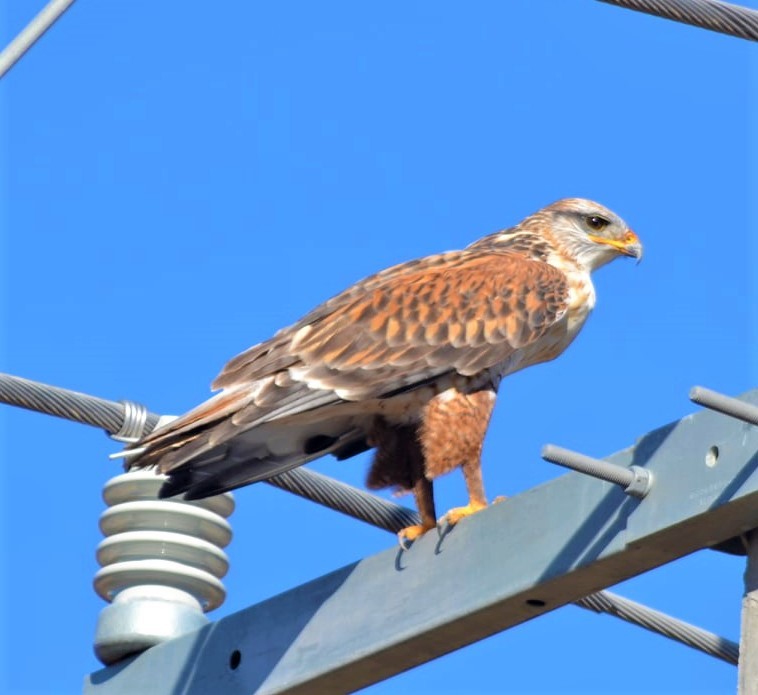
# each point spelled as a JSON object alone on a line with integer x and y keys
{"x": 161, "y": 564}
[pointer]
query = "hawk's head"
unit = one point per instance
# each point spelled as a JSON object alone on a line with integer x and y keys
{"x": 590, "y": 232}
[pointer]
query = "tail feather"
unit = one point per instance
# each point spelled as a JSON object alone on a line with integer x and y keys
{"x": 199, "y": 481}
{"x": 225, "y": 417}
{"x": 158, "y": 446}
{"x": 199, "y": 469}
{"x": 251, "y": 433}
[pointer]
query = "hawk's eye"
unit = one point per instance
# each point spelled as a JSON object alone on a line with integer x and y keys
{"x": 596, "y": 222}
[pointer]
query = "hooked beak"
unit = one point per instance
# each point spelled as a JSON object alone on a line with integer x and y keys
{"x": 629, "y": 245}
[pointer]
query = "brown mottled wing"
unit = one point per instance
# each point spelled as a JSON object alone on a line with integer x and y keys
{"x": 463, "y": 311}
{"x": 257, "y": 384}
{"x": 272, "y": 354}
{"x": 299, "y": 395}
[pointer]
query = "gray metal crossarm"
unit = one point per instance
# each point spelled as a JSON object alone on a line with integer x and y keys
{"x": 125, "y": 420}
{"x": 572, "y": 536}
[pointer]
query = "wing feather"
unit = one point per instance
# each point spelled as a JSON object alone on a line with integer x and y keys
{"x": 463, "y": 312}
{"x": 442, "y": 315}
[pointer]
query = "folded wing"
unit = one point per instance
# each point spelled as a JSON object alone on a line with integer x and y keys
{"x": 314, "y": 388}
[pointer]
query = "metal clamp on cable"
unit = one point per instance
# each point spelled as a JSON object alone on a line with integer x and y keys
{"x": 133, "y": 426}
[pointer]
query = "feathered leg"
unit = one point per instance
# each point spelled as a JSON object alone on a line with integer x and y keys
{"x": 452, "y": 433}
{"x": 423, "y": 492}
{"x": 399, "y": 463}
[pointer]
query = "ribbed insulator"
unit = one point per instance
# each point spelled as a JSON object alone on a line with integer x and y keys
{"x": 161, "y": 564}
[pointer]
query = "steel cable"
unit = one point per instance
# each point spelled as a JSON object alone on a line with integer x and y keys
{"x": 345, "y": 498}
{"x": 723, "y": 17}
{"x": 71, "y": 405}
{"x": 650, "y": 619}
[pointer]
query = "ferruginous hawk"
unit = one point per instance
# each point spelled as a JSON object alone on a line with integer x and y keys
{"x": 407, "y": 361}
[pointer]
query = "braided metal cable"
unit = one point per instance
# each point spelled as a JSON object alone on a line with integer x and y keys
{"x": 70, "y": 405}
{"x": 336, "y": 495}
{"x": 636, "y": 613}
{"x": 345, "y": 498}
{"x": 723, "y": 17}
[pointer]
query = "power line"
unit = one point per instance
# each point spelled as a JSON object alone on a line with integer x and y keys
{"x": 722, "y": 17}
{"x": 31, "y": 33}
{"x": 70, "y": 405}
{"x": 726, "y": 18}
{"x": 650, "y": 619}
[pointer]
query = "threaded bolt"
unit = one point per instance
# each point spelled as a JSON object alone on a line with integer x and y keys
{"x": 635, "y": 480}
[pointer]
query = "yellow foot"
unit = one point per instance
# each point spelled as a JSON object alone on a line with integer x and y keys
{"x": 458, "y": 513}
{"x": 410, "y": 534}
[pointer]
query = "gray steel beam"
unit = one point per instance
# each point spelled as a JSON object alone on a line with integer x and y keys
{"x": 539, "y": 550}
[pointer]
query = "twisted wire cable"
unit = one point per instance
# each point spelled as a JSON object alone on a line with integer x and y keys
{"x": 70, "y": 405}
{"x": 346, "y": 499}
{"x": 114, "y": 417}
{"x": 650, "y": 619}
{"x": 722, "y": 17}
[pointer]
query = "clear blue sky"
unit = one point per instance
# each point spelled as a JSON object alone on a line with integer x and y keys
{"x": 182, "y": 179}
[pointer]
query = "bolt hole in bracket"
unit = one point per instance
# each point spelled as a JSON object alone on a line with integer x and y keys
{"x": 712, "y": 456}
{"x": 235, "y": 659}
{"x": 740, "y": 410}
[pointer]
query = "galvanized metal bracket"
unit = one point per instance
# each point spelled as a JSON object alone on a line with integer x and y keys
{"x": 572, "y": 536}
